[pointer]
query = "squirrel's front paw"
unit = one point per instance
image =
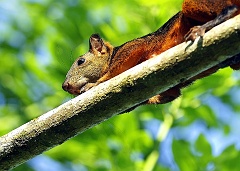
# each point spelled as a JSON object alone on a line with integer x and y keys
{"x": 87, "y": 87}
{"x": 195, "y": 32}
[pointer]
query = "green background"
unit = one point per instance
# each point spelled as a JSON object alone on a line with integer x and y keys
{"x": 39, "y": 40}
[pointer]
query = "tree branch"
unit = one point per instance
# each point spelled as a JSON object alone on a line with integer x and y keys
{"x": 119, "y": 94}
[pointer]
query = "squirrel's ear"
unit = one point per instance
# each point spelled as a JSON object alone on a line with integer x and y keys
{"x": 96, "y": 43}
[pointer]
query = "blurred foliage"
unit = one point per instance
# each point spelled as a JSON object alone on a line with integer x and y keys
{"x": 39, "y": 41}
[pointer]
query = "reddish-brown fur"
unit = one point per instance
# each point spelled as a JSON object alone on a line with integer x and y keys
{"x": 194, "y": 12}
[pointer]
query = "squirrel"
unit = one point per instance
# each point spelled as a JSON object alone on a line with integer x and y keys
{"x": 103, "y": 61}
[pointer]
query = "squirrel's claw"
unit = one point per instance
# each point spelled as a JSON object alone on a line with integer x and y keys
{"x": 194, "y": 33}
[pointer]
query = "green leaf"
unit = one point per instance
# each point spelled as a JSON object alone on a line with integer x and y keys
{"x": 183, "y": 156}
{"x": 203, "y": 149}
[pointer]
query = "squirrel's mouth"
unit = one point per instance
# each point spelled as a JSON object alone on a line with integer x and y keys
{"x": 71, "y": 89}
{"x": 75, "y": 92}
{"x": 74, "y": 89}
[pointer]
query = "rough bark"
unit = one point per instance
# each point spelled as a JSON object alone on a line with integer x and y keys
{"x": 119, "y": 94}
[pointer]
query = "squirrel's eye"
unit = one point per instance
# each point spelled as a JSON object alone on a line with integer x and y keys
{"x": 80, "y": 61}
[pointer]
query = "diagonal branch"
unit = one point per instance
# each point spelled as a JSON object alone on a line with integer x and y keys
{"x": 119, "y": 94}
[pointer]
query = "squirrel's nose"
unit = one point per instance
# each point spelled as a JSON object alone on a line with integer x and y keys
{"x": 65, "y": 86}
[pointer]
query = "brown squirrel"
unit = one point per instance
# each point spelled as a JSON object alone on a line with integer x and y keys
{"x": 103, "y": 61}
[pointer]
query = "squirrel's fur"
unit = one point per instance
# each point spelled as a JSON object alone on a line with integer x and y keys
{"x": 103, "y": 61}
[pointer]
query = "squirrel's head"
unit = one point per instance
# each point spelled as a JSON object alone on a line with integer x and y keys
{"x": 89, "y": 67}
